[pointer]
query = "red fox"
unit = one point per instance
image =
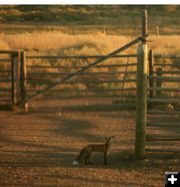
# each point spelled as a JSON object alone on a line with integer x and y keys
{"x": 85, "y": 153}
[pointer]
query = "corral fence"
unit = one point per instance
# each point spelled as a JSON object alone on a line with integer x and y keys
{"x": 115, "y": 78}
{"x": 163, "y": 116}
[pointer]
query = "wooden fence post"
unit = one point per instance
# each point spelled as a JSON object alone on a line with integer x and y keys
{"x": 15, "y": 91}
{"x": 157, "y": 30}
{"x": 24, "y": 104}
{"x": 151, "y": 81}
{"x": 158, "y": 81}
{"x": 141, "y": 100}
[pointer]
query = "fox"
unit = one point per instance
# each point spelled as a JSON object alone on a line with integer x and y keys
{"x": 86, "y": 152}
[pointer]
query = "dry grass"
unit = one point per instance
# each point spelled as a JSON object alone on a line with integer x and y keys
{"x": 83, "y": 44}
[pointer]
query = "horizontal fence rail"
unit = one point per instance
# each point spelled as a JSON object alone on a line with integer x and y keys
{"x": 79, "y": 57}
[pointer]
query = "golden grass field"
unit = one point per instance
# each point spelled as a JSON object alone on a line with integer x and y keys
{"x": 83, "y": 44}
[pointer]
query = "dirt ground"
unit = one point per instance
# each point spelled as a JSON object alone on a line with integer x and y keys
{"x": 37, "y": 148}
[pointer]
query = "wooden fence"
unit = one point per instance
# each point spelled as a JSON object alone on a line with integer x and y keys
{"x": 164, "y": 101}
{"x": 115, "y": 78}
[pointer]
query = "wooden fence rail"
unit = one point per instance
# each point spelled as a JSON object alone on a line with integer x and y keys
{"x": 80, "y": 57}
{"x": 74, "y": 67}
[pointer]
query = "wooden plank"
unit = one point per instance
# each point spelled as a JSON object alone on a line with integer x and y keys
{"x": 5, "y": 89}
{"x": 83, "y": 73}
{"x": 8, "y": 51}
{"x": 163, "y": 150}
{"x": 5, "y": 80}
{"x": 167, "y": 56}
{"x": 169, "y": 72}
{"x": 164, "y": 79}
{"x": 5, "y": 71}
{"x": 167, "y": 64}
{"x": 165, "y": 89}
{"x": 79, "y": 57}
{"x": 5, "y": 60}
{"x": 162, "y": 100}
{"x": 89, "y": 90}
{"x": 162, "y": 138}
{"x": 90, "y": 96}
{"x": 163, "y": 124}
{"x": 76, "y": 67}
{"x": 160, "y": 112}
{"x": 47, "y": 81}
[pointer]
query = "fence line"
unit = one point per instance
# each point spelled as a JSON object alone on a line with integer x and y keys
{"x": 79, "y": 57}
{"x": 83, "y": 73}
{"x": 98, "y": 66}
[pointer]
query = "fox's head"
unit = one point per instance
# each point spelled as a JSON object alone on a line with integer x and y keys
{"x": 108, "y": 139}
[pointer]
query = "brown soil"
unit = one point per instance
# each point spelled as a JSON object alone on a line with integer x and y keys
{"x": 37, "y": 148}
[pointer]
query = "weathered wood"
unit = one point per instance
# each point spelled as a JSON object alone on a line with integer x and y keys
{"x": 5, "y": 89}
{"x": 167, "y": 65}
{"x": 141, "y": 101}
{"x": 160, "y": 112}
{"x": 170, "y": 72}
{"x": 162, "y": 124}
{"x": 17, "y": 78}
{"x": 166, "y": 89}
{"x": 24, "y": 104}
{"x": 89, "y": 90}
{"x": 166, "y": 56}
{"x": 151, "y": 82}
{"x": 8, "y": 52}
{"x": 75, "y": 67}
{"x": 164, "y": 100}
{"x": 5, "y": 60}
{"x": 5, "y": 80}
{"x": 80, "y": 57}
{"x": 83, "y": 73}
{"x": 61, "y": 81}
{"x": 158, "y": 81}
{"x": 130, "y": 97}
{"x": 144, "y": 26}
{"x": 157, "y": 30}
{"x": 160, "y": 137}
{"x": 47, "y": 81}
{"x": 163, "y": 150}
{"x": 13, "y": 90}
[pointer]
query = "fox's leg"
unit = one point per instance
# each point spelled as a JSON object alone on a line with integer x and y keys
{"x": 88, "y": 158}
{"x": 86, "y": 161}
{"x": 105, "y": 158}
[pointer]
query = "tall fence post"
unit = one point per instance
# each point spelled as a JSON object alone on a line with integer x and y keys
{"x": 24, "y": 104}
{"x": 141, "y": 100}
